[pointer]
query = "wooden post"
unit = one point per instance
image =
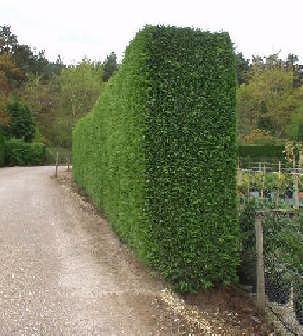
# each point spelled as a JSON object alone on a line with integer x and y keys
{"x": 248, "y": 187}
{"x": 278, "y": 198}
{"x": 68, "y": 161}
{"x": 263, "y": 185}
{"x": 260, "y": 265}
{"x": 296, "y": 191}
{"x": 57, "y": 163}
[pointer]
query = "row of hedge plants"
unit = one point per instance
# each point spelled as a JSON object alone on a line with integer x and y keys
{"x": 266, "y": 152}
{"x": 20, "y": 153}
{"x": 159, "y": 142}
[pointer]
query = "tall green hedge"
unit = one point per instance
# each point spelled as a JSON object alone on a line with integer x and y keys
{"x": 20, "y": 153}
{"x": 158, "y": 154}
{"x": 2, "y": 150}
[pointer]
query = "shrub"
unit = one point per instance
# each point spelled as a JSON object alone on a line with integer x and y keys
{"x": 2, "y": 150}
{"x": 158, "y": 154}
{"x": 20, "y": 153}
{"x": 262, "y": 152}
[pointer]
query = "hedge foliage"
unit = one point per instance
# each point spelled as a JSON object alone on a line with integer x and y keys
{"x": 262, "y": 152}
{"x": 158, "y": 154}
{"x": 20, "y": 153}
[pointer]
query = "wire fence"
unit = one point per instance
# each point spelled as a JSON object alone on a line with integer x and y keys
{"x": 271, "y": 218}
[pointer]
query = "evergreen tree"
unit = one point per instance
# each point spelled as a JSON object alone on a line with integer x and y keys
{"x": 109, "y": 66}
{"x": 242, "y": 68}
{"x": 21, "y": 124}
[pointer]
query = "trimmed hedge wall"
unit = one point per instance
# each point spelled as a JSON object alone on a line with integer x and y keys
{"x": 262, "y": 152}
{"x": 158, "y": 154}
{"x": 20, "y": 153}
{"x": 2, "y": 150}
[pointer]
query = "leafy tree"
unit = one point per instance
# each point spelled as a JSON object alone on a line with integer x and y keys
{"x": 242, "y": 68}
{"x": 21, "y": 125}
{"x": 42, "y": 96}
{"x": 8, "y": 40}
{"x": 110, "y": 66}
{"x": 58, "y": 102}
{"x": 10, "y": 74}
{"x": 10, "y": 78}
{"x": 24, "y": 56}
{"x": 268, "y": 99}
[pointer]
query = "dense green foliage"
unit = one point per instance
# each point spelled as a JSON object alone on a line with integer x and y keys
{"x": 20, "y": 153}
{"x": 21, "y": 124}
{"x": 262, "y": 152}
{"x": 2, "y": 150}
{"x": 62, "y": 154}
{"x": 283, "y": 252}
{"x": 110, "y": 66}
{"x": 158, "y": 154}
{"x": 247, "y": 267}
{"x": 270, "y": 97}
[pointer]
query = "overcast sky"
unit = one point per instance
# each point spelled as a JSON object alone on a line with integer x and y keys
{"x": 93, "y": 28}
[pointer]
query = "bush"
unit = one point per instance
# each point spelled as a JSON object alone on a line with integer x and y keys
{"x": 262, "y": 152}
{"x": 158, "y": 154}
{"x": 2, "y": 150}
{"x": 20, "y": 153}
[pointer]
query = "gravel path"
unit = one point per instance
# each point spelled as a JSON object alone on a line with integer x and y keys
{"x": 62, "y": 271}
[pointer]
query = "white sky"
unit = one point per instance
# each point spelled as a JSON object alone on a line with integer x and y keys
{"x": 94, "y": 28}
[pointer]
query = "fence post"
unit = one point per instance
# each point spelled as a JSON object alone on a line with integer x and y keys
{"x": 68, "y": 162}
{"x": 260, "y": 265}
{"x": 296, "y": 194}
{"x": 57, "y": 163}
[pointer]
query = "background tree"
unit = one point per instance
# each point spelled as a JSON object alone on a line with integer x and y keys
{"x": 269, "y": 98}
{"x": 78, "y": 89}
{"x": 21, "y": 125}
{"x": 110, "y": 66}
{"x": 242, "y": 68}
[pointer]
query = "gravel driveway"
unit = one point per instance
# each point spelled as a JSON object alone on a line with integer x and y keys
{"x": 62, "y": 270}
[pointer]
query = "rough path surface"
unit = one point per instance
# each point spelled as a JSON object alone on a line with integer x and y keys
{"x": 64, "y": 272}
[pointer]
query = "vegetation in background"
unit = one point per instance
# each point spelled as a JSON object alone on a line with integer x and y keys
{"x": 57, "y": 95}
{"x": 20, "y": 153}
{"x": 21, "y": 124}
{"x": 59, "y": 102}
{"x": 158, "y": 154}
{"x": 270, "y": 98}
{"x": 270, "y": 93}
{"x": 110, "y": 66}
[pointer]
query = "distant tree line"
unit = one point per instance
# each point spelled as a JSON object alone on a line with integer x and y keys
{"x": 270, "y": 99}
{"x": 52, "y": 96}
{"x": 42, "y": 100}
